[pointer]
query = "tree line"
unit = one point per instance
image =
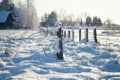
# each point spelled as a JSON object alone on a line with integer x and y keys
{"x": 49, "y": 19}
{"x": 68, "y": 20}
{"x": 95, "y": 21}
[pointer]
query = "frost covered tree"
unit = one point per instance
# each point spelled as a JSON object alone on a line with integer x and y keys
{"x": 20, "y": 19}
{"x": 108, "y": 22}
{"x": 26, "y": 16}
{"x": 32, "y": 19}
{"x": 66, "y": 18}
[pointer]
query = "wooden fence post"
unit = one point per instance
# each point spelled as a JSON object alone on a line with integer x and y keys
{"x": 79, "y": 35}
{"x": 60, "y": 54}
{"x": 95, "y": 35}
{"x": 73, "y": 35}
{"x": 86, "y": 34}
{"x": 64, "y": 34}
{"x": 68, "y": 34}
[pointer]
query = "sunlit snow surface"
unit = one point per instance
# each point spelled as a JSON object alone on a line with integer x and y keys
{"x": 35, "y": 58}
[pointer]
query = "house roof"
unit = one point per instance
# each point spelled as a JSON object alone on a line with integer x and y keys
{"x": 3, "y": 16}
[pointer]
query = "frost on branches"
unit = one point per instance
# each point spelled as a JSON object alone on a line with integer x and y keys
{"x": 58, "y": 24}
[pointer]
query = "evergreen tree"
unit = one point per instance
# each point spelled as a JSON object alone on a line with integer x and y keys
{"x": 6, "y": 5}
{"x": 52, "y": 18}
{"x": 88, "y": 21}
{"x": 99, "y": 22}
{"x": 95, "y": 20}
{"x": 49, "y": 19}
{"x": 44, "y": 20}
{"x": 81, "y": 22}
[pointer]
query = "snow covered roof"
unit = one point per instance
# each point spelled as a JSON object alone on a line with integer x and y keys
{"x": 3, "y": 16}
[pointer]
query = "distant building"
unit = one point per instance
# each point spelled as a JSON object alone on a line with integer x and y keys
{"x": 5, "y": 20}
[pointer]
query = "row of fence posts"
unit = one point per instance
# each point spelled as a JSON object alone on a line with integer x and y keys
{"x": 60, "y": 33}
{"x": 80, "y": 34}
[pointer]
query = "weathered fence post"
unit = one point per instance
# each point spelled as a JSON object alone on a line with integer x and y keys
{"x": 79, "y": 35}
{"x": 58, "y": 24}
{"x": 60, "y": 53}
{"x": 64, "y": 34}
{"x": 86, "y": 34}
{"x": 73, "y": 35}
{"x": 68, "y": 34}
{"x": 95, "y": 35}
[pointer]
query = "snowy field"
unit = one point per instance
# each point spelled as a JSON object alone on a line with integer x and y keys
{"x": 33, "y": 57}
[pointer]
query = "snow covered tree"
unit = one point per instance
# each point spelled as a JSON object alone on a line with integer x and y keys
{"x": 26, "y": 16}
{"x": 108, "y": 22}
{"x": 32, "y": 19}
{"x": 21, "y": 18}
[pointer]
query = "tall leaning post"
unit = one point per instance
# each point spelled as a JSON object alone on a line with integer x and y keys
{"x": 58, "y": 24}
{"x": 60, "y": 53}
{"x": 95, "y": 35}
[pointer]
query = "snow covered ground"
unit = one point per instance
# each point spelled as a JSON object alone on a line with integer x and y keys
{"x": 34, "y": 57}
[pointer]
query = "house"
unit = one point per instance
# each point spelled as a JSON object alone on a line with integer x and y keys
{"x": 5, "y": 20}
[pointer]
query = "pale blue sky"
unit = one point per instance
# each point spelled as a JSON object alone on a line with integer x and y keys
{"x": 102, "y": 8}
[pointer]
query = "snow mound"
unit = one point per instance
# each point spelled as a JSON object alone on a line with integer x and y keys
{"x": 112, "y": 66}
